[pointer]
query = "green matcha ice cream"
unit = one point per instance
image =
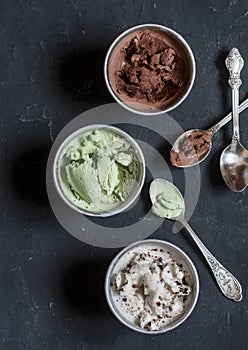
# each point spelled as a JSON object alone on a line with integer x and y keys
{"x": 167, "y": 202}
{"x": 99, "y": 170}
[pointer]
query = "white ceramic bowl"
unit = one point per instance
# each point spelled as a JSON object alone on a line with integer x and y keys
{"x": 59, "y": 173}
{"x": 180, "y": 256}
{"x": 180, "y": 96}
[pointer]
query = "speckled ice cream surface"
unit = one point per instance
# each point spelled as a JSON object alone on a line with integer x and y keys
{"x": 151, "y": 286}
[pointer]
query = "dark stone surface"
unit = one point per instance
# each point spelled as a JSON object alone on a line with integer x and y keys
{"x": 51, "y": 57}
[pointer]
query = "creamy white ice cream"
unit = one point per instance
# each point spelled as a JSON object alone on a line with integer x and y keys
{"x": 151, "y": 287}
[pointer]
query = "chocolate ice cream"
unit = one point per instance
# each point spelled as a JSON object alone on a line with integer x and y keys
{"x": 148, "y": 67}
{"x": 192, "y": 149}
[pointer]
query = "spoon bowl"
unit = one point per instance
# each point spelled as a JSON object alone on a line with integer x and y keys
{"x": 160, "y": 186}
{"x": 234, "y": 166}
{"x": 183, "y": 141}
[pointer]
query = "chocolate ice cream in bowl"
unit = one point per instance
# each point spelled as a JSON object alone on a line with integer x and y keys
{"x": 149, "y": 69}
{"x": 152, "y": 286}
{"x": 99, "y": 170}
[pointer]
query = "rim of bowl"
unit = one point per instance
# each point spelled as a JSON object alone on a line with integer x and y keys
{"x": 174, "y": 34}
{"x": 82, "y": 130}
{"x": 193, "y": 273}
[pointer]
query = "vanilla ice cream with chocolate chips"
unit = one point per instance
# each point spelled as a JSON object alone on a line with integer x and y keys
{"x": 150, "y": 287}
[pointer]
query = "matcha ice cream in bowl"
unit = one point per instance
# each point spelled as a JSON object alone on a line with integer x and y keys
{"x": 99, "y": 170}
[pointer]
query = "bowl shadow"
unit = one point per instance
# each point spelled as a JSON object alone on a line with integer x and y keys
{"x": 28, "y": 172}
{"x": 83, "y": 286}
{"x": 80, "y": 75}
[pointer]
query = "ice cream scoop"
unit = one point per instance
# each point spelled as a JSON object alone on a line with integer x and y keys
{"x": 99, "y": 170}
{"x": 194, "y": 145}
{"x": 168, "y": 203}
{"x": 151, "y": 286}
{"x": 149, "y": 69}
{"x": 234, "y": 158}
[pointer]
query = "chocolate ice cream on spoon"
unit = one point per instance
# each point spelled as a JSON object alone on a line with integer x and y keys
{"x": 194, "y": 145}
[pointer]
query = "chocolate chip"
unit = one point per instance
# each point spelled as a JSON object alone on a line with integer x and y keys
{"x": 184, "y": 281}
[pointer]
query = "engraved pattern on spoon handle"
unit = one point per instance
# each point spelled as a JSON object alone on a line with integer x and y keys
{"x": 227, "y": 118}
{"x": 228, "y": 284}
{"x": 234, "y": 63}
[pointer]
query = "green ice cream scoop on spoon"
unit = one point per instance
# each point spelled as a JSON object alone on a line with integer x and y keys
{"x": 168, "y": 203}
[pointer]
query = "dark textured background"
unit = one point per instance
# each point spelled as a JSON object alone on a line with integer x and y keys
{"x": 51, "y": 56}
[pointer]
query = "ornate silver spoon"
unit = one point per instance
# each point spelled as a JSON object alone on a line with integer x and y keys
{"x": 234, "y": 158}
{"x": 168, "y": 203}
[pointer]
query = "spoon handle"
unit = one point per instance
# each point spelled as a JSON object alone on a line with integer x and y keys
{"x": 227, "y": 118}
{"x": 228, "y": 284}
{"x": 234, "y": 63}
